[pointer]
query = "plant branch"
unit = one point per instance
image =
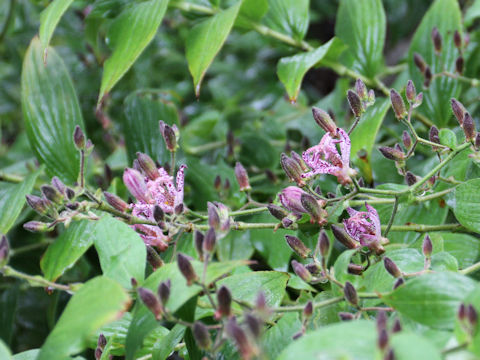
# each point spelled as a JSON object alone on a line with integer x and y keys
{"x": 35, "y": 280}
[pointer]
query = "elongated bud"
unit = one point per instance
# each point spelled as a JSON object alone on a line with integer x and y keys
{"x": 427, "y": 246}
{"x": 38, "y": 204}
{"x": 477, "y": 142}
{"x": 437, "y": 40}
{"x": 301, "y": 271}
{"x": 418, "y": 100}
{"x": 298, "y": 246}
{"x": 361, "y": 89}
{"x": 133, "y": 282}
{"x": 201, "y": 335}
{"x": 199, "y": 238}
{"x": 468, "y": 127}
{"x": 226, "y": 185}
{"x": 169, "y": 135}
{"x": 164, "y": 291}
{"x": 246, "y": 349}
{"x": 51, "y": 194}
{"x": 344, "y": 238}
{"x": 382, "y": 339}
{"x": 381, "y": 320}
{"x": 313, "y": 268}
{"x": 410, "y": 91}
{"x": 70, "y": 193}
{"x": 323, "y": 243}
{"x": 261, "y": 302}
{"x": 159, "y": 215}
{"x": 224, "y": 299}
{"x": 98, "y": 353}
{"x": 407, "y": 140}
{"x": 299, "y": 161}
{"x": 345, "y": 316}
{"x": 102, "y": 341}
{"x": 459, "y": 63}
{"x": 457, "y": 39}
{"x": 419, "y": 62}
{"x": 355, "y": 269}
{"x": 350, "y": 293}
{"x": 217, "y": 183}
{"x": 399, "y": 282}
{"x": 292, "y": 169}
{"x": 4, "y": 251}
{"x": 462, "y": 312}
{"x": 135, "y": 183}
{"x": 371, "y": 97}
{"x": 147, "y": 165}
{"x": 392, "y": 153}
{"x": 150, "y": 301}
{"x": 209, "y": 241}
{"x": 287, "y": 222}
{"x": 36, "y": 226}
{"x": 410, "y": 178}
{"x": 276, "y": 211}
{"x": 308, "y": 310}
{"x": 355, "y": 103}
{"x": 59, "y": 185}
{"x": 213, "y": 216}
{"x": 472, "y": 315}
{"x": 115, "y": 201}
{"x": 186, "y": 269}
{"x": 323, "y": 119}
{"x": 254, "y": 324}
{"x": 458, "y": 110}
{"x": 313, "y": 208}
{"x": 79, "y": 138}
{"x": 179, "y": 209}
{"x": 397, "y": 326}
{"x": 153, "y": 258}
{"x": 391, "y": 267}
{"x": 242, "y": 177}
{"x": 397, "y": 104}
{"x": 433, "y": 135}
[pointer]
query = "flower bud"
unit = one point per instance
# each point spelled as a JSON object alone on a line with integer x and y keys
{"x": 381, "y": 320}
{"x": 153, "y": 258}
{"x": 419, "y": 62}
{"x": 355, "y": 269}
{"x": 472, "y": 315}
{"x": 51, "y": 194}
{"x": 350, "y": 293}
{"x": 163, "y": 291}
{"x": 418, "y": 100}
{"x": 301, "y": 271}
{"x": 102, "y": 341}
{"x": 292, "y": 169}
{"x": 38, "y": 204}
{"x": 397, "y": 326}
{"x": 427, "y": 246}
{"x": 199, "y": 238}
{"x": 298, "y": 246}
{"x": 133, "y": 282}
{"x": 468, "y": 127}
{"x": 98, "y": 353}
{"x": 79, "y": 138}
{"x": 457, "y": 39}
{"x": 290, "y": 197}
{"x": 462, "y": 312}
{"x": 428, "y": 77}
{"x": 344, "y": 238}
{"x": 361, "y": 89}
{"x": 410, "y": 178}
{"x": 226, "y": 185}
{"x": 407, "y": 140}
{"x": 287, "y": 222}
{"x": 313, "y": 208}
{"x": 355, "y": 103}
{"x": 313, "y": 268}
{"x": 148, "y": 166}
{"x": 135, "y": 183}
{"x": 459, "y": 65}
{"x": 383, "y": 339}
{"x": 308, "y": 310}
{"x": 4, "y": 251}
{"x": 437, "y": 40}
{"x": 458, "y": 110}
{"x": 246, "y": 349}
{"x": 150, "y": 301}
{"x": 213, "y": 216}
{"x": 276, "y": 211}
{"x": 179, "y": 209}
{"x": 323, "y": 119}
{"x": 390, "y": 355}
{"x": 36, "y": 226}
{"x": 70, "y": 193}
{"x": 209, "y": 241}
{"x": 391, "y": 267}
{"x": 224, "y": 300}
{"x": 433, "y": 135}
{"x": 392, "y": 153}
{"x": 59, "y": 185}
{"x": 217, "y": 183}
{"x": 397, "y": 104}
{"x": 115, "y": 201}
{"x": 254, "y": 324}
{"x": 159, "y": 216}
{"x": 88, "y": 147}
{"x": 344, "y": 316}
{"x": 169, "y": 135}
{"x": 323, "y": 243}
{"x": 242, "y": 177}
{"x": 410, "y": 91}
{"x": 299, "y": 161}
{"x": 261, "y": 302}
{"x": 477, "y": 142}
{"x": 201, "y": 335}
{"x": 399, "y": 282}
{"x": 371, "y": 97}
{"x": 186, "y": 269}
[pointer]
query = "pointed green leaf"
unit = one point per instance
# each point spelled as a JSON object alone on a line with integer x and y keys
{"x": 467, "y": 204}
{"x": 51, "y": 111}
{"x": 205, "y": 40}
{"x": 49, "y": 19}
{"x": 289, "y": 17}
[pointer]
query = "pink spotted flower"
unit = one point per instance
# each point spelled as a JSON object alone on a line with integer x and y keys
{"x": 325, "y": 158}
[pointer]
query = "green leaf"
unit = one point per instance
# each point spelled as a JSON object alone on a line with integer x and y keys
{"x": 205, "y": 40}
{"x": 98, "y": 302}
{"x": 443, "y": 261}
{"x": 472, "y": 13}
{"x": 51, "y": 112}
{"x": 431, "y": 299}
{"x": 467, "y": 204}
{"x": 12, "y": 199}
{"x": 117, "y": 329}
{"x": 289, "y": 17}
{"x": 256, "y": 150}
{"x": 4, "y": 351}
{"x": 291, "y": 70}
{"x": 346, "y": 340}
{"x": 129, "y": 35}
{"x": 448, "y": 138}
{"x": 121, "y": 251}
{"x": 49, "y": 19}
{"x": 361, "y": 25}
{"x": 163, "y": 348}
{"x": 278, "y": 337}
{"x": 235, "y": 246}
{"x": 27, "y": 355}
{"x": 251, "y": 10}
{"x": 409, "y": 345}
{"x": 465, "y": 248}
{"x": 67, "y": 249}
{"x": 446, "y": 16}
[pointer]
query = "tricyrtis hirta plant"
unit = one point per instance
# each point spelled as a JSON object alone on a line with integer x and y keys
{"x": 190, "y": 202}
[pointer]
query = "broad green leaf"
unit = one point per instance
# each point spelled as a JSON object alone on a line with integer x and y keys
{"x": 4, "y": 351}
{"x": 361, "y": 25}
{"x": 251, "y": 10}
{"x": 278, "y": 337}
{"x": 465, "y": 248}
{"x": 163, "y": 348}
{"x": 443, "y": 261}
{"x": 409, "y": 345}
{"x": 51, "y": 112}
{"x": 67, "y": 249}
{"x": 364, "y": 135}
{"x": 446, "y": 16}
{"x": 12, "y": 199}
{"x": 448, "y": 138}
{"x": 27, "y": 355}
{"x": 98, "y": 302}
{"x": 8, "y": 312}
{"x": 431, "y": 299}
{"x": 129, "y": 35}
{"x": 256, "y": 150}
{"x": 291, "y": 70}
{"x": 117, "y": 329}
{"x": 49, "y": 19}
{"x": 467, "y": 204}
{"x": 121, "y": 251}
{"x": 205, "y": 40}
{"x": 235, "y": 246}
{"x": 472, "y": 13}
{"x": 289, "y": 17}
{"x": 345, "y": 340}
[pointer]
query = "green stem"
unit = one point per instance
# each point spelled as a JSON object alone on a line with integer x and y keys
{"x": 26, "y": 248}
{"x": 421, "y": 228}
{"x": 471, "y": 81}
{"x": 470, "y": 269}
{"x": 195, "y": 150}
{"x": 172, "y": 162}
{"x": 249, "y": 211}
{"x": 10, "y": 177}
{"x": 34, "y": 280}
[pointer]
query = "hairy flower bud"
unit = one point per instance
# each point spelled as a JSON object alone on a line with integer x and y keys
{"x": 4, "y": 251}
{"x": 298, "y": 246}
{"x": 397, "y": 326}
{"x": 457, "y": 39}
{"x": 186, "y": 268}
{"x": 437, "y": 40}
{"x": 392, "y": 153}
{"x": 163, "y": 291}
{"x": 36, "y": 226}
{"x": 98, "y": 353}
{"x": 458, "y": 110}
{"x": 150, "y": 301}
{"x": 410, "y": 91}
{"x": 323, "y": 119}
{"x": 201, "y": 335}
{"x": 344, "y": 238}
{"x": 410, "y": 178}
{"x": 135, "y": 183}
{"x": 102, "y": 341}
{"x": 427, "y": 246}
{"x": 313, "y": 268}
{"x": 301, "y": 271}
{"x": 361, "y": 89}
{"x": 198, "y": 239}
{"x": 70, "y": 193}
{"x": 419, "y": 62}
{"x": 350, "y": 293}
{"x": 153, "y": 258}
{"x": 287, "y": 222}
{"x": 391, "y": 267}
{"x": 397, "y": 104}
{"x": 472, "y": 315}
{"x": 433, "y": 135}
{"x": 313, "y": 208}
{"x": 217, "y": 183}
{"x": 253, "y": 324}
{"x": 355, "y": 103}
{"x": 38, "y": 204}
{"x": 169, "y": 135}
{"x": 209, "y": 241}
{"x": 323, "y": 243}
{"x": 382, "y": 339}
{"x": 355, "y": 269}
{"x": 399, "y": 282}
{"x": 371, "y": 97}
{"x": 462, "y": 312}
{"x": 308, "y": 310}
{"x": 459, "y": 63}
{"x": 51, "y": 194}
{"x": 213, "y": 216}
{"x": 468, "y": 127}
{"x": 418, "y": 100}
{"x": 148, "y": 166}
{"x": 246, "y": 349}
{"x": 224, "y": 300}
{"x": 381, "y": 320}
{"x": 242, "y": 177}
{"x": 292, "y": 169}
{"x": 59, "y": 185}
{"x": 79, "y": 138}
{"x": 115, "y": 201}
{"x": 159, "y": 216}
{"x": 428, "y": 77}
{"x": 299, "y": 161}
{"x": 345, "y": 316}
{"x": 276, "y": 211}
{"x": 407, "y": 140}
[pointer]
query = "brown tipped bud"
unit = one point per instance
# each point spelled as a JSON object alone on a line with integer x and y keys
{"x": 169, "y": 135}
{"x": 457, "y": 39}
{"x": 36, "y": 226}
{"x": 344, "y": 316}
{"x": 226, "y": 185}
{"x": 38, "y": 204}
{"x": 163, "y": 291}
{"x": 355, "y": 269}
{"x": 133, "y": 282}
{"x": 186, "y": 268}
{"x": 209, "y": 241}
{"x": 254, "y": 325}
{"x": 115, "y": 201}
{"x": 397, "y": 326}
{"x": 242, "y": 177}
{"x": 361, "y": 89}
{"x": 410, "y": 178}
{"x": 313, "y": 208}
{"x": 213, "y": 216}
{"x": 179, "y": 209}
{"x": 313, "y": 268}
{"x": 428, "y": 77}
{"x": 477, "y": 141}
{"x": 392, "y": 153}
{"x": 301, "y": 271}
{"x": 433, "y": 135}
{"x": 298, "y": 246}
{"x": 397, "y": 104}
{"x": 462, "y": 312}
{"x": 102, "y": 341}
{"x": 323, "y": 119}
{"x": 276, "y": 211}
{"x": 437, "y": 40}
{"x": 383, "y": 339}
{"x": 287, "y": 222}
{"x": 153, "y": 258}
{"x": 224, "y": 299}
{"x": 410, "y": 91}
{"x": 299, "y": 161}
{"x": 308, "y": 310}
{"x": 391, "y": 267}
{"x": 79, "y": 138}
{"x": 323, "y": 243}
{"x": 199, "y": 238}
{"x": 350, "y": 293}
{"x": 407, "y": 140}
{"x": 390, "y": 355}
{"x": 59, "y": 185}
{"x": 419, "y": 62}
{"x": 381, "y": 320}
{"x": 147, "y": 165}
{"x": 459, "y": 63}
{"x": 246, "y": 349}
{"x": 472, "y": 315}
{"x": 355, "y": 103}
{"x": 399, "y": 282}
{"x": 458, "y": 110}
{"x": 201, "y": 335}
{"x": 427, "y": 246}
{"x": 159, "y": 215}
{"x": 51, "y": 194}
{"x": 261, "y": 301}
{"x": 98, "y": 353}
{"x": 150, "y": 301}
{"x": 217, "y": 183}
{"x": 418, "y": 101}
{"x": 468, "y": 127}
{"x": 4, "y": 251}
{"x": 292, "y": 169}
{"x": 344, "y": 238}
{"x": 70, "y": 193}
